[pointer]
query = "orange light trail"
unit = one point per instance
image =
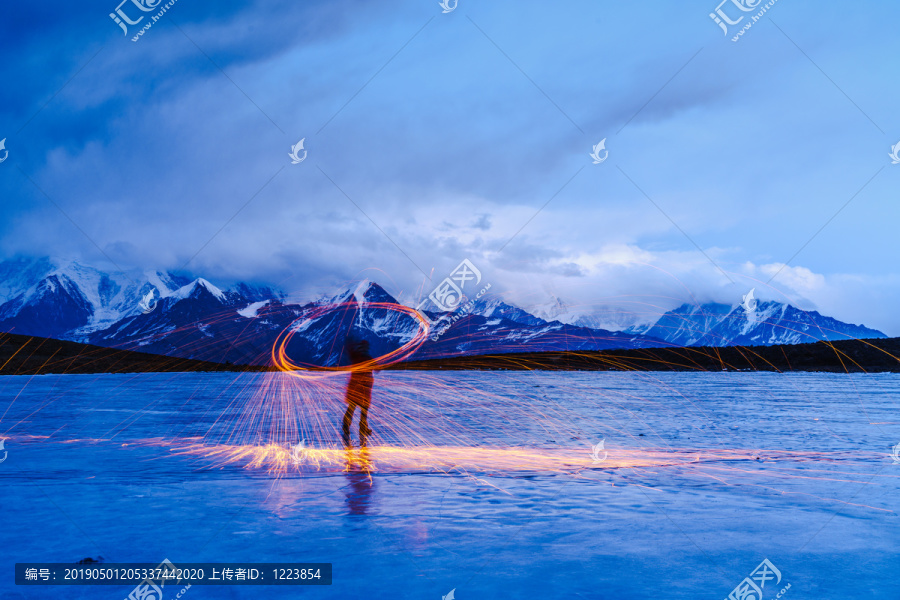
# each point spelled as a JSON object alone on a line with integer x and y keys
{"x": 284, "y": 363}
{"x": 469, "y": 423}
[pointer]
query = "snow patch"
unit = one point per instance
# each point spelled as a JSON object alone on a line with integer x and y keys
{"x": 360, "y": 292}
{"x": 185, "y": 291}
{"x": 251, "y": 311}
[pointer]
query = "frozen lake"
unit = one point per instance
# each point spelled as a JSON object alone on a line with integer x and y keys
{"x": 482, "y": 482}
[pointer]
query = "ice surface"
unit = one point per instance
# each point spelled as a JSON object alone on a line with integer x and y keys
{"x": 802, "y": 477}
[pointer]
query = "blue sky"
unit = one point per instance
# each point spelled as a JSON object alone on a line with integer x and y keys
{"x": 435, "y": 137}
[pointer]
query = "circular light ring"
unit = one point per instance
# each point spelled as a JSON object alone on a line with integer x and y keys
{"x": 284, "y": 363}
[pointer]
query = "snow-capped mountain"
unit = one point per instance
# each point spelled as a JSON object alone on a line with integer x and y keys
{"x": 71, "y": 301}
{"x": 200, "y": 320}
{"x": 493, "y": 308}
{"x": 556, "y": 309}
{"x": 475, "y": 334}
{"x": 51, "y": 307}
{"x": 608, "y": 316}
{"x": 67, "y": 300}
{"x": 172, "y": 314}
{"x": 769, "y": 323}
{"x": 193, "y": 318}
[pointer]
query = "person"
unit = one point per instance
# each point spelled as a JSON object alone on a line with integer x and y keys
{"x": 359, "y": 390}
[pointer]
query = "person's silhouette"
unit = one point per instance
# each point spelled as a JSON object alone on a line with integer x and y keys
{"x": 359, "y": 391}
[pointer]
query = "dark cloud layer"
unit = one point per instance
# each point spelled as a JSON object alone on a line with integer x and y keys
{"x": 435, "y": 137}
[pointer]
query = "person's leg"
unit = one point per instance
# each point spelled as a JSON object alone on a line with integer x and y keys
{"x": 345, "y": 424}
{"x": 365, "y": 399}
{"x": 364, "y": 430}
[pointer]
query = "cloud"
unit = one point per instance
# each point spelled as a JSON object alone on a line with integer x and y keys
{"x": 427, "y": 144}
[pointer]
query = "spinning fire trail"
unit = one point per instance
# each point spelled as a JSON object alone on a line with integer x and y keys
{"x": 493, "y": 427}
{"x": 418, "y": 419}
{"x": 288, "y": 421}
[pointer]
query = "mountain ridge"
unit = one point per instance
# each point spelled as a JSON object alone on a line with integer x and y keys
{"x": 769, "y": 323}
{"x": 190, "y": 317}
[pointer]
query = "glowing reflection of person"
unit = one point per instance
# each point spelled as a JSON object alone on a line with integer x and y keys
{"x": 359, "y": 494}
{"x": 359, "y": 391}
{"x": 359, "y": 475}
